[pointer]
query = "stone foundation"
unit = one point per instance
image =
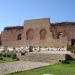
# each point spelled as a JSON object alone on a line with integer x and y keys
{"x": 41, "y": 57}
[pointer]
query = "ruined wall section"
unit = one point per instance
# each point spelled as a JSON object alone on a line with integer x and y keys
{"x": 10, "y": 35}
{"x": 68, "y": 29}
{"x": 37, "y": 32}
{"x": 37, "y": 25}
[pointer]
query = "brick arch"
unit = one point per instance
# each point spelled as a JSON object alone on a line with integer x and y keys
{"x": 29, "y": 34}
{"x": 43, "y": 33}
{"x": 19, "y": 37}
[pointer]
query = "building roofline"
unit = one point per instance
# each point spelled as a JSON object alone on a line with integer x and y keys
{"x": 13, "y": 27}
{"x": 63, "y": 23}
{"x": 37, "y": 19}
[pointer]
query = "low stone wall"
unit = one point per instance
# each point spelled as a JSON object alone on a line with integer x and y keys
{"x": 41, "y": 57}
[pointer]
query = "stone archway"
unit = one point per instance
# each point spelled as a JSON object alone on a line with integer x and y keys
{"x": 29, "y": 34}
{"x": 19, "y": 37}
{"x": 43, "y": 33}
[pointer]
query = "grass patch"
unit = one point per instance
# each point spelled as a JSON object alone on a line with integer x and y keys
{"x": 6, "y": 59}
{"x": 57, "y": 69}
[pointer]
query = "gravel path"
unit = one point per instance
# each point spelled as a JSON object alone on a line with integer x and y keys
{"x": 10, "y": 67}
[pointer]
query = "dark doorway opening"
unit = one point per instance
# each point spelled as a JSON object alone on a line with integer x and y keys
{"x": 19, "y": 37}
{"x": 72, "y": 42}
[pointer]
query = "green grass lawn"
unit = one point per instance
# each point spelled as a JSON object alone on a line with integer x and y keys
{"x": 6, "y": 59}
{"x": 57, "y": 69}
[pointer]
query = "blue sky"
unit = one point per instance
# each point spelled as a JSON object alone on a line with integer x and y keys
{"x": 14, "y": 12}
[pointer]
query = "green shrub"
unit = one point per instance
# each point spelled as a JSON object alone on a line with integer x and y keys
{"x": 64, "y": 61}
{"x": 8, "y": 55}
{"x": 1, "y": 58}
{"x": 13, "y": 56}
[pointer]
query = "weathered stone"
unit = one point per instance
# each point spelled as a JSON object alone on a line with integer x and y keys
{"x": 36, "y": 33}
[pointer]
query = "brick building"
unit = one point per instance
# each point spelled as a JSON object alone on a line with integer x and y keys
{"x": 39, "y": 32}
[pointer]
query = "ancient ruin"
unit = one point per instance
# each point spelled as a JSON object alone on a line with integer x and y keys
{"x": 39, "y": 39}
{"x": 39, "y": 33}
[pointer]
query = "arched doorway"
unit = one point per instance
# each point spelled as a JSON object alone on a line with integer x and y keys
{"x": 43, "y": 33}
{"x": 29, "y": 34}
{"x": 19, "y": 37}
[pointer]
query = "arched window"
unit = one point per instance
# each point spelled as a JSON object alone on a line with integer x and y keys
{"x": 60, "y": 35}
{"x": 29, "y": 34}
{"x": 19, "y": 37}
{"x": 43, "y": 33}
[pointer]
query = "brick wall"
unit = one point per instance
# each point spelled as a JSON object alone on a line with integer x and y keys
{"x": 9, "y": 35}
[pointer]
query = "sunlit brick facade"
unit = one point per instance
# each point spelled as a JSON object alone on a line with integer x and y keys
{"x": 39, "y": 32}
